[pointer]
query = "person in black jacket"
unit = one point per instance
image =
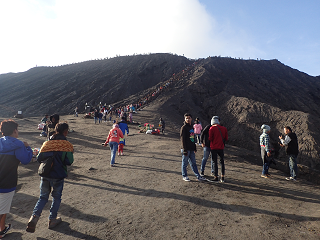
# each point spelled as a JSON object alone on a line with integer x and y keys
{"x": 290, "y": 142}
{"x": 206, "y": 148}
{"x": 188, "y": 149}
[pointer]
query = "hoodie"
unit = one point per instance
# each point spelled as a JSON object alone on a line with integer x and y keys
{"x": 12, "y": 152}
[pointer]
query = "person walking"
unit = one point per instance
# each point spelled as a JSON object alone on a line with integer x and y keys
{"x": 12, "y": 153}
{"x": 265, "y": 150}
{"x": 62, "y": 152}
{"x": 204, "y": 137}
{"x": 218, "y": 135}
{"x": 188, "y": 149}
{"x": 290, "y": 142}
{"x": 113, "y": 140}
{"x": 162, "y": 124}
{"x": 197, "y": 131}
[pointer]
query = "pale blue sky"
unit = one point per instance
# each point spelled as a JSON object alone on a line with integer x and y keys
{"x": 57, "y": 32}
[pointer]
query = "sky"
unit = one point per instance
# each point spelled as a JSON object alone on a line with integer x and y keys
{"x": 57, "y": 32}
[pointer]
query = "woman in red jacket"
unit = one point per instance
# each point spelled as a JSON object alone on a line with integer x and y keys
{"x": 113, "y": 140}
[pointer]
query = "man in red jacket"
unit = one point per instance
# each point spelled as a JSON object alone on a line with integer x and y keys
{"x": 218, "y": 135}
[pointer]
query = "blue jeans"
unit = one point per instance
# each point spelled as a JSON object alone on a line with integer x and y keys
{"x": 206, "y": 154}
{"x": 191, "y": 159}
{"x": 293, "y": 165}
{"x": 113, "y": 148}
{"x": 47, "y": 185}
{"x": 95, "y": 120}
{"x": 265, "y": 161}
{"x": 214, "y": 164}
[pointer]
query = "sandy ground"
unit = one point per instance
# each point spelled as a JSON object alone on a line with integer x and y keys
{"x": 144, "y": 196}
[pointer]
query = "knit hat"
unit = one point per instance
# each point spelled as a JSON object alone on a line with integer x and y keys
{"x": 265, "y": 128}
{"x": 215, "y": 120}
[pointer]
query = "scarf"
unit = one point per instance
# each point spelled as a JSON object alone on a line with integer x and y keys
{"x": 57, "y": 146}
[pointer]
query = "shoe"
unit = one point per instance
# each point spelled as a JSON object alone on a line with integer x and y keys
{"x": 4, "y": 231}
{"x": 54, "y": 222}
{"x": 201, "y": 179}
{"x": 222, "y": 179}
{"x": 215, "y": 178}
{"x": 268, "y": 175}
{"x": 122, "y": 154}
{"x": 291, "y": 179}
{"x": 112, "y": 165}
{"x": 186, "y": 179}
{"x": 31, "y": 227}
{"x": 118, "y": 154}
{"x": 264, "y": 176}
{"x": 202, "y": 174}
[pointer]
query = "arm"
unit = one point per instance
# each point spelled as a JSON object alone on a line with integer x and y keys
{"x": 286, "y": 140}
{"x": 67, "y": 158}
{"x": 24, "y": 154}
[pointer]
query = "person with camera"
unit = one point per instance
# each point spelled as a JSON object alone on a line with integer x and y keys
{"x": 290, "y": 142}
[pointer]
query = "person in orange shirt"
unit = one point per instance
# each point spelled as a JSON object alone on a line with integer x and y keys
{"x": 113, "y": 140}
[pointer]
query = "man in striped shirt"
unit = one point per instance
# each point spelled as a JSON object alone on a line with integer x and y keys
{"x": 265, "y": 150}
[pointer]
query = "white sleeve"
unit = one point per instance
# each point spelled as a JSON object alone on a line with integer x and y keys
{"x": 286, "y": 140}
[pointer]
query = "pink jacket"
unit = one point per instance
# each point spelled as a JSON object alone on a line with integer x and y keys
{"x": 197, "y": 128}
{"x": 114, "y": 135}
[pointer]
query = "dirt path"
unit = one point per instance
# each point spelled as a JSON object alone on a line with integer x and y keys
{"x": 144, "y": 197}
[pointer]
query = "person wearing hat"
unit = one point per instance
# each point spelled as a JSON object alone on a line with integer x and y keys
{"x": 218, "y": 135}
{"x": 265, "y": 150}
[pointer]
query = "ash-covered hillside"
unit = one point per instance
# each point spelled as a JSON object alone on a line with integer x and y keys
{"x": 60, "y": 89}
{"x": 244, "y": 93}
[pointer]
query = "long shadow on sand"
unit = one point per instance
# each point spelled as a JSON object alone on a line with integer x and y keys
{"x": 244, "y": 210}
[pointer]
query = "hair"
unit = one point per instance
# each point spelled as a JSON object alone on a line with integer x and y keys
{"x": 187, "y": 115}
{"x": 8, "y": 126}
{"x": 60, "y": 128}
{"x": 289, "y": 128}
{"x": 196, "y": 122}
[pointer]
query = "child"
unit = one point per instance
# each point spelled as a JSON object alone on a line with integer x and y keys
{"x": 120, "y": 147}
{"x": 197, "y": 131}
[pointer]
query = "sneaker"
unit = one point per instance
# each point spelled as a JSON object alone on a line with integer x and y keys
{"x": 222, "y": 179}
{"x": 215, "y": 178}
{"x": 202, "y": 174}
{"x": 4, "y": 231}
{"x": 201, "y": 179}
{"x": 291, "y": 179}
{"x": 186, "y": 179}
{"x": 264, "y": 176}
{"x": 31, "y": 227}
{"x": 112, "y": 165}
{"x": 54, "y": 222}
{"x": 268, "y": 174}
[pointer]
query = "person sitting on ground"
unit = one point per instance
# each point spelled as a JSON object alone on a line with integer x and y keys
{"x": 12, "y": 152}
{"x": 45, "y": 119}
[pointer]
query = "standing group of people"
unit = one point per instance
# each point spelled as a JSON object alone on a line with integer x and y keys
{"x": 214, "y": 137}
{"x": 14, "y": 151}
{"x": 290, "y": 142}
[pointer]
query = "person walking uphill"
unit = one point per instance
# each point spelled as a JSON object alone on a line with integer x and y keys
{"x": 12, "y": 152}
{"x": 218, "y": 135}
{"x": 62, "y": 152}
{"x": 265, "y": 150}
{"x": 188, "y": 149}
{"x": 113, "y": 140}
{"x": 292, "y": 150}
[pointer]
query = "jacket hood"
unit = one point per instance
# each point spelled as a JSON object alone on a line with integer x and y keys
{"x": 8, "y": 144}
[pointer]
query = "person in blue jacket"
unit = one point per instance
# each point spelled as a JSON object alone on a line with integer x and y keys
{"x": 124, "y": 127}
{"x": 62, "y": 150}
{"x": 12, "y": 152}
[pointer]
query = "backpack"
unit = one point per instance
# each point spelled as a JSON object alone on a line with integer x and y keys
{"x": 46, "y": 165}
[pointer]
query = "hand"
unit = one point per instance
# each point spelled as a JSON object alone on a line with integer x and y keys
{"x": 202, "y": 145}
{"x": 26, "y": 144}
{"x": 268, "y": 154}
{"x": 280, "y": 137}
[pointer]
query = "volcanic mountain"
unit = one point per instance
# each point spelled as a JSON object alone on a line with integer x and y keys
{"x": 244, "y": 93}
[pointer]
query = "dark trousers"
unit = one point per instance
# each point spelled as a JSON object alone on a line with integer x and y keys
{"x": 214, "y": 158}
